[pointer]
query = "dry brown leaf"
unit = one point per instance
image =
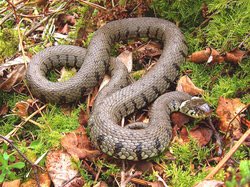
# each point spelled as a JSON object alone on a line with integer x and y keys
{"x": 4, "y": 109}
{"x": 83, "y": 118}
{"x": 179, "y": 119}
{"x": 15, "y": 183}
{"x": 60, "y": 168}
{"x": 21, "y": 108}
{"x": 101, "y": 184}
{"x": 14, "y": 77}
{"x": 144, "y": 166}
{"x": 200, "y": 133}
{"x": 227, "y": 110}
{"x": 77, "y": 144}
{"x": 186, "y": 85}
{"x": 208, "y": 55}
{"x": 210, "y": 183}
{"x": 151, "y": 49}
{"x": 235, "y": 56}
{"x": 43, "y": 179}
{"x": 126, "y": 58}
{"x": 24, "y": 108}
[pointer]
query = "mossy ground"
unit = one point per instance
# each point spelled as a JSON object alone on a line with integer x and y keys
{"x": 227, "y": 27}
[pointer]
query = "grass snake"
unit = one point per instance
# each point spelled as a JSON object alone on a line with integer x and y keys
{"x": 118, "y": 99}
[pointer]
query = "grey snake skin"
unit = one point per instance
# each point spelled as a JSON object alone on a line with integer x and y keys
{"x": 137, "y": 141}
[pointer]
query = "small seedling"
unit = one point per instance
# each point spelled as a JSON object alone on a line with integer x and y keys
{"x": 7, "y": 164}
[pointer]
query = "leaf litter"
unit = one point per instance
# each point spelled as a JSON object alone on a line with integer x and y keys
{"x": 77, "y": 143}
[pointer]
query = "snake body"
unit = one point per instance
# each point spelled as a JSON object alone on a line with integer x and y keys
{"x": 138, "y": 142}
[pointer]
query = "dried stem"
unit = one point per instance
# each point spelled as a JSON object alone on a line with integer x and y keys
{"x": 228, "y": 155}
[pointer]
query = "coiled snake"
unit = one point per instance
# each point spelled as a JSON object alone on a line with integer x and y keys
{"x": 138, "y": 141}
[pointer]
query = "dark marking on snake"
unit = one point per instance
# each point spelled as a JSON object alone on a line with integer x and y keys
{"x": 148, "y": 31}
{"x": 157, "y": 92}
{"x": 52, "y": 64}
{"x": 67, "y": 60}
{"x": 118, "y": 147}
{"x": 75, "y": 60}
{"x": 134, "y": 104}
{"x": 125, "y": 107}
{"x": 97, "y": 76}
{"x": 118, "y": 36}
{"x": 83, "y": 90}
{"x": 158, "y": 145}
{"x": 43, "y": 98}
{"x": 176, "y": 66}
{"x": 145, "y": 99}
{"x": 47, "y": 68}
{"x": 100, "y": 139}
{"x": 59, "y": 60}
{"x": 167, "y": 79}
{"x": 138, "y": 151}
{"x": 138, "y": 32}
{"x": 156, "y": 33}
{"x": 62, "y": 100}
{"x": 162, "y": 36}
{"x": 127, "y": 33}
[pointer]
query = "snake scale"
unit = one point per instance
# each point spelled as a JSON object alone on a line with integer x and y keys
{"x": 138, "y": 141}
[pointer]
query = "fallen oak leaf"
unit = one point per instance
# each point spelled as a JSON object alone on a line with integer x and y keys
{"x": 16, "y": 76}
{"x": 77, "y": 144}
{"x": 4, "y": 109}
{"x": 235, "y": 56}
{"x": 227, "y": 111}
{"x": 201, "y": 134}
{"x": 185, "y": 84}
{"x": 14, "y": 183}
{"x": 43, "y": 179}
{"x": 209, "y": 55}
{"x": 60, "y": 167}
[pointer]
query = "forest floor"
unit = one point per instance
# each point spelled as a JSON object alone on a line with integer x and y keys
{"x": 46, "y": 144}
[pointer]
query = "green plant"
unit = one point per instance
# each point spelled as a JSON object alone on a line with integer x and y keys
{"x": 8, "y": 164}
{"x": 8, "y": 43}
{"x": 244, "y": 175}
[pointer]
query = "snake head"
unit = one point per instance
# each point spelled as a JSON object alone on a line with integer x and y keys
{"x": 196, "y": 107}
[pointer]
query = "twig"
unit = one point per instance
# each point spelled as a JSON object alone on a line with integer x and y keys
{"x": 228, "y": 155}
{"x": 34, "y": 166}
{"x": 230, "y": 122}
{"x": 23, "y": 122}
{"x": 5, "y": 18}
{"x": 242, "y": 43}
{"x": 130, "y": 174}
{"x": 14, "y": 10}
{"x": 47, "y": 18}
{"x": 217, "y": 136}
{"x": 94, "y": 5}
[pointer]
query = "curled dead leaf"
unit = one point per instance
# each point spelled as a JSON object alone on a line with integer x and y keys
{"x": 43, "y": 179}
{"x": 24, "y": 108}
{"x": 185, "y": 84}
{"x": 14, "y": 183}
{"x": 83, "y": 118}
{"x": 228, "y": 112}
{"x": 235, "y": 56}
{"x": 77, "y": 144}
{"x": 4, "y": 109}
{"x": 151, "y": 49}
{"x": 201, "y": 134}
{"x": 207, "y": 55}
{"x": 16, "y": 76}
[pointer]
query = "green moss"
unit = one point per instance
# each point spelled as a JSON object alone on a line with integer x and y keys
{"x": 8, "y": 43}
{"x": 181, "y": 177}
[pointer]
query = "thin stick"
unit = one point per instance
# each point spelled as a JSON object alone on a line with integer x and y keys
{"x": 34, "y": 166}
{"x": 11, "y": 133}
{"x": 93, "y": 5}
{"x": 228, "y": 155}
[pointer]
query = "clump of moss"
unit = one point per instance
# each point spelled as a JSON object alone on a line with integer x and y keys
{"x": 8, "y": 43}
